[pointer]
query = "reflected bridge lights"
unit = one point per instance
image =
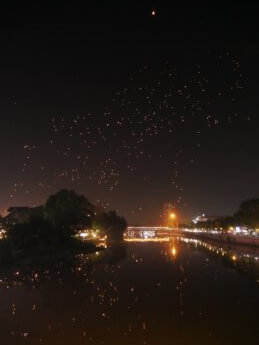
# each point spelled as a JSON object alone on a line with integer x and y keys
{"x": 173, "y": 251}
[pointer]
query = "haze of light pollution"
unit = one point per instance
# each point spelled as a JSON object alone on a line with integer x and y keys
{"x": 141, "y": 140}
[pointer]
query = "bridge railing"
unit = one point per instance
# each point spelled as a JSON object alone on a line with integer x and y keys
{"x": 146, "y": 228}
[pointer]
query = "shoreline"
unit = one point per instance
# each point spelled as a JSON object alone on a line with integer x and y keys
{"x": 229, "y": 239}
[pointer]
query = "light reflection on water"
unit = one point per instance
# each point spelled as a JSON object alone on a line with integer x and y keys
{"x": 181, "y": 291}
{"x": 232, "y": 251}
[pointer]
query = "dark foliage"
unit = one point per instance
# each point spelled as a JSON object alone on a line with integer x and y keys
{"x": 68, "y": 212}
{"x": 48, "y": 231}
{"x": 111, "y": 225}
{"x": 248, "y": 213}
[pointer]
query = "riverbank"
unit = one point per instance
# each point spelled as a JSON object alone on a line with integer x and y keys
{"x": 231, "y": 239}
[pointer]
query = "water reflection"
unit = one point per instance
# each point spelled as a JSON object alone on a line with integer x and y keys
{"x": 235, "y": 252}
{"x": 174, "y": 252}
{"x": 74, "y": 267}
{"x": 242, "y": 258}
{"x": 174, "y": 291}
{"x": 246, "y": 258}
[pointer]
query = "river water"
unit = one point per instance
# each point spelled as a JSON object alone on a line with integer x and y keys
{"x": 177, "y": 291}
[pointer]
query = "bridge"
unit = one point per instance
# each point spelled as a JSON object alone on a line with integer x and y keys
{"x": 149, "y": 233}
{"x": 151, "y": 227}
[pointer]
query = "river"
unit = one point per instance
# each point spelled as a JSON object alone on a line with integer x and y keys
{"x": 178, "y": 291}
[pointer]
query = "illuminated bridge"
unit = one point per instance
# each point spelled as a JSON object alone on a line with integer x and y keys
{"x": 149, "y": 233}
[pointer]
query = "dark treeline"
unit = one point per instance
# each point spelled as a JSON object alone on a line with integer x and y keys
{"x": 246, "y": 216}
{"x": 50, "y": 229}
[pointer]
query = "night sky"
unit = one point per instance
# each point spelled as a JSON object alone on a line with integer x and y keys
{"x": 130, "y": 108}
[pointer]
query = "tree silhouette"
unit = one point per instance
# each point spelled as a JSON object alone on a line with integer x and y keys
{"x": 248, "y": 213}
{"x": 68, "y": 212}
{"x": 110, "y": 224}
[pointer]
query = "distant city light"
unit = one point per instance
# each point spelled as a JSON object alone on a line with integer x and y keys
{"x": 2, "y": 234}
{"x": 83, "y": 234}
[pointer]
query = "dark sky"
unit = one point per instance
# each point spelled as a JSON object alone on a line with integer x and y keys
{"x": 130, "y": 109}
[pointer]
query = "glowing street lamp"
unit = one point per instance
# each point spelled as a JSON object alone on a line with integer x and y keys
{"x": 172, "y": 219}
{"x": 172, "y": 215}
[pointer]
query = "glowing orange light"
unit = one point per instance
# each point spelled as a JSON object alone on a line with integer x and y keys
{"x": 173, "y": 251}
{"x": 172, "y": 215}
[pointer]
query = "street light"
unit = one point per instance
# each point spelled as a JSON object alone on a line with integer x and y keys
{"x": 173, "y": 219}
{"x": 172, "y": 215}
